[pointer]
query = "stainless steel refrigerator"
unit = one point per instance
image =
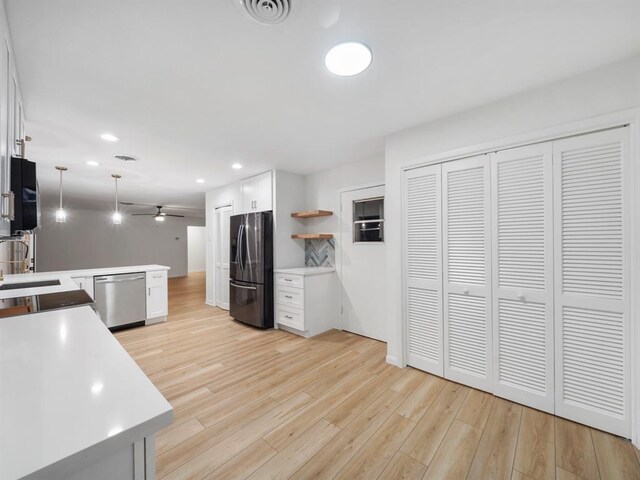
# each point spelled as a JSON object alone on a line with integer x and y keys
{"x": 251, "y": 269}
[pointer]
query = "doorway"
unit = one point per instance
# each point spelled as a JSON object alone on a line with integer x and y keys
{"x": 362, "y": 262}
{"x": 221, "y": 256}
{"x": 196, "y": 249}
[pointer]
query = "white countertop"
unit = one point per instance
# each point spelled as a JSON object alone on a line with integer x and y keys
{"x": 65, "y": 278}
{"x": 305, "y": 270}
{"x": 69, "y": 394}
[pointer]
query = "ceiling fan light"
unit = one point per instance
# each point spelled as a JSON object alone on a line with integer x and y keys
{"x": 117, "y": 218}
{"x": 159, "y": 218}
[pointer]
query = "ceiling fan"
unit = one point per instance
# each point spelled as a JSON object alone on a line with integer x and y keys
{"x": 158, "y": 216}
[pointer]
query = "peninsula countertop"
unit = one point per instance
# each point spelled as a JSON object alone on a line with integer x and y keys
{"x": 70, "y": 394}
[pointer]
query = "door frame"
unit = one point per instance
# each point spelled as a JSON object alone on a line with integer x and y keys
{"x": 215, "y": 249}
{"x": 338, "y": 266}
{"x": 630, "y": 118}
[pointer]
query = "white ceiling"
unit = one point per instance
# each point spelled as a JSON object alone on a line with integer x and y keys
{"x": 192, "y": 86}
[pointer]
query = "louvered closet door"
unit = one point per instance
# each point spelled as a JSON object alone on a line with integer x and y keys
{"x": 423, "y": 267}
{"x": 591, "y": 181}
{"x": 522, "y": 214}
{"x": 467, "y": 271}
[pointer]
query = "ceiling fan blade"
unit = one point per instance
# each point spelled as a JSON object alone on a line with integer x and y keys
{"x": 143, "y": 214}
{"x": 171, "y": 215}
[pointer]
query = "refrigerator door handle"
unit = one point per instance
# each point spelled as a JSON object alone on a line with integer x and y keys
{"x": 243, "y": 287}
{"x": 239, "y": 249}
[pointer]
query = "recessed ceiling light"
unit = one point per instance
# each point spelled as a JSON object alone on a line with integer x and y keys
{"x": 109, "y": 137}
{"x": 237, "y": 166}
{"x": 348, "y": 59}
{"x": 200, "y": 180}
{"x": 93, "y": 163}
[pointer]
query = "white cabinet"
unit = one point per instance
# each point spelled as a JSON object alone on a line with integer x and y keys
{"x": 304, "y": 304}
{"x": 85, "y": 283}
{"x": 157, "y": 296}
{"x": 257, "y": 193}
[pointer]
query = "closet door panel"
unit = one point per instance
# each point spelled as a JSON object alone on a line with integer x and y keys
{"x": 521, "y": 208}
{"x": 592, "y": 185}
{"x": 466, "y": 270}
{"x": 423, "y": 267}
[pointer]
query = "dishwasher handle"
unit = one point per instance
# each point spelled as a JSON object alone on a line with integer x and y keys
{"x": 118, "y": 280}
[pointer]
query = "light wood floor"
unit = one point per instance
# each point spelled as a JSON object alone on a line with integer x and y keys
{"x": 268, "y": 404}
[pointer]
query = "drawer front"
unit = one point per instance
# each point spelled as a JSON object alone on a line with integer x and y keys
{"x": 156, "y": 279}
{"x": 296, "y": 281}
{"x": 291, "y": 297}
{"x": 290, "y": 317}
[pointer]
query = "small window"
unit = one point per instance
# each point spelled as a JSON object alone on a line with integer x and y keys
{"x": 368, "y": 220}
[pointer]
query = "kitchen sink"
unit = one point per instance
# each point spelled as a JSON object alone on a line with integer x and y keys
{"x": 42, "y": 283}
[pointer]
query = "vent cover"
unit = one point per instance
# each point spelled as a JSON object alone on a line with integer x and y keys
{"x": 267, "y": 12}
{"x": 126, "y": 158}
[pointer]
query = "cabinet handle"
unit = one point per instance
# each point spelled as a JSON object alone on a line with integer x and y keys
{"x": 288, "y": 296}
{"x": 12, "y": 206}
{"x": 288, "y": 280}
{"x": 289, "y": 317}
{"x": 149, "y": 294}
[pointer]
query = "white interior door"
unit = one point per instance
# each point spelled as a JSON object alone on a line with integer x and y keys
{"x": 222, "y": 218}
{"x": 467, "y": 272}
{"x": 362, "y": 272}
{"x": 522, "y": 213}
{"x": 423, "y": 268}
{"x": 592, "y": 186}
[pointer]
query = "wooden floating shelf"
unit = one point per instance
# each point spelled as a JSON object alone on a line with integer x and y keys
{"x": 312, "y": 214}
{"x": 312, "y": 236}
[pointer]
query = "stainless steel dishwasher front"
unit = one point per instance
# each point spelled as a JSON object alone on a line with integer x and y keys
{"x": 121, "y": 300}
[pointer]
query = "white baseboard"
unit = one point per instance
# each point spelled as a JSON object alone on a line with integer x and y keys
{"x": 210, "y": 303}
{"x": 394, "y": 361}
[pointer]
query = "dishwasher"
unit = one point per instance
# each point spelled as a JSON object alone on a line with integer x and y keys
{"x": 120, "y": 299}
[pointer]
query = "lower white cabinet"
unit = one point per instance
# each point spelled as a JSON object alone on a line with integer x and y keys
{"x": 157, "y": 296}
{"x": 305, "y": 303}
{"x": 85, "y": 283}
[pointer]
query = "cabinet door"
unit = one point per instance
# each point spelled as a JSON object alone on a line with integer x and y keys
{"x": 521, "y": 209}
{"x": 264, "y": 191}
{"x": 248, "y": 193}
{"x": 157, "y": 294}
{"x": 423, "y": 268}
{"x": 592, "y": 182}
{"x": 5, "y": 164}
{"x": 467, "y": 267}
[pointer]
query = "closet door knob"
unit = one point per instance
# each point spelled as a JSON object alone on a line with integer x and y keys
{"x": 521, "y": 297}
{"x": 465, "y": 291}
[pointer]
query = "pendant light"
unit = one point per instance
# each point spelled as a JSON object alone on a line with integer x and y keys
{"x": 117, "y": 216}
{"x": 61, "y": 214}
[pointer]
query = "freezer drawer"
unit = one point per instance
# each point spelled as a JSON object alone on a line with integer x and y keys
{"x": 247, "y": 304}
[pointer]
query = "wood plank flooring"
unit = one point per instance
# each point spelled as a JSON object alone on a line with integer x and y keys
{"x": 268, "y": 404}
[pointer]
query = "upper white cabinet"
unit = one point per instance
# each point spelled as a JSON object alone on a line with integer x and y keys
{"x": 11, "y": 126}
{"x": 157, "y": 299}
{"x": 257, "y": 193}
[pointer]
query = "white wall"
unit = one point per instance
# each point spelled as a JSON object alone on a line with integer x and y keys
{"x": 607, "y": 90}
{"x": 88, "y": 239}
{"x": 196, "y": 249}
{"x": 289, "y": 197}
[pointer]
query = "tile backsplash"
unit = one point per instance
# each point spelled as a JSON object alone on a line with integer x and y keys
{"x": 320, "y": 253}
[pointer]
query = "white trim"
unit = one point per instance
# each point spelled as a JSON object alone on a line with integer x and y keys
{"x": 581, "y": 127}
{"x": 210, "y": 303}
{"x": 394, "y": 361}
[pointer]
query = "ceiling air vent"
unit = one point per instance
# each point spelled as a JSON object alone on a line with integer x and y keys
{"x": 267, "y": 12}
{"x": 126, "y": 158}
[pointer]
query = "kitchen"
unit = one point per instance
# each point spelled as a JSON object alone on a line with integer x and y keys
{"x": 402, "y": 271}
